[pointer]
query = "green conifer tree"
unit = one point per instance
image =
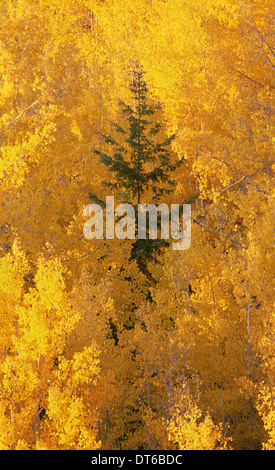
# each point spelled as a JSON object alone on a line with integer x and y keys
{"x": 141, "y": 162}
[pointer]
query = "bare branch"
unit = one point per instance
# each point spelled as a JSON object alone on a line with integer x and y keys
{"x": 19, "y": 116}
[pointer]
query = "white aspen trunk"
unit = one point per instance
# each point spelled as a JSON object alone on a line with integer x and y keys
{"x": 249, "y": 375}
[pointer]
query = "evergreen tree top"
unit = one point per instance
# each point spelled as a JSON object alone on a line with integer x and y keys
{"x": 140, "y": 159}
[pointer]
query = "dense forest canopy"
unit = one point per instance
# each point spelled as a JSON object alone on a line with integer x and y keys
{"x": 116, "y": 344}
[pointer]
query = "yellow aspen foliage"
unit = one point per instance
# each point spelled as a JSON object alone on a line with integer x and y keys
{"x": 190, "y": 430}
{"x": 71, "y": 402}
{"x": 97, "y": 352}
{"x": 40, "y": 323}
{"x": 267, "y": 411}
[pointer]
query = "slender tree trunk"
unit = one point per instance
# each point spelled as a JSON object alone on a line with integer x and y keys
{"x": 36, "y": 416}
{"x": 106, "y": 424}
{"x": 147, "y": 375}
{"x": 170, "y": 381}
{"x": 138, "y": 152}
{"x": 100, "y": 120}
{"x": 154, "y": 200}
{"x": 249, "y": 375}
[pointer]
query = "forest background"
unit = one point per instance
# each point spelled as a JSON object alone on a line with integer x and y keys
{"x": 95, "y": 352}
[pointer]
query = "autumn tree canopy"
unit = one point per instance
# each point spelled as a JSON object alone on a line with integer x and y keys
{"x": 89, "y": 359}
